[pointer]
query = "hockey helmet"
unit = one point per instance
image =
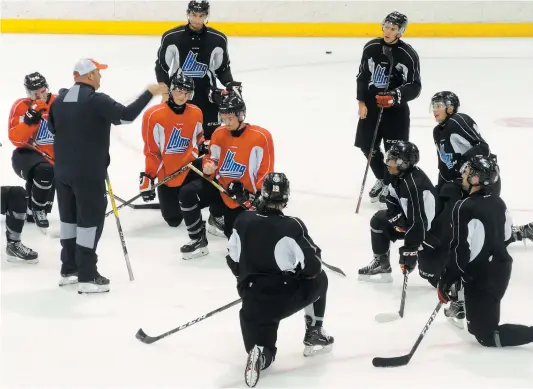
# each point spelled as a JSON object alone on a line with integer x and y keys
{"x": 276, "y": 189}
{"x": 447, "y": 99}
{"x": 232, "y": 103}
{"x": 183, "y": 82}
{"x": 484, "y": 168}
{"x": 406, "y": 155}
{"x": 33, "y": 82}
{"x": 199, "y": 6}
{"x": 397, "y": 19}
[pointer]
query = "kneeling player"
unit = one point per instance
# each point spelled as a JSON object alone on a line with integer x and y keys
{"x": 240, "y": 156}
{"x": 32, "y": 158}
{"x": 411, "y": 209}
{"x": 279, "y": 272}
{"x": 479, "y": 257}
{"x": 172, "y": 132}
{"x": 14, "y": 201}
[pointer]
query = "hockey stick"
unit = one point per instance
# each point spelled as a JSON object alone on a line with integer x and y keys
{"x": 141, "y": 335}
{"x": 386, "y": 317}
{"x": 163, "y": 181}
{"x": 404, "y": 359}
{"x": 248, "y": 205}
{"x": 388, "y": 52}
{"x": 119, "y": 227}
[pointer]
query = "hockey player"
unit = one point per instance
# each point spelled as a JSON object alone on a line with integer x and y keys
{"x": 377, "y": 89}
{"x": 479, "y": 257}
{"x": 279, "y": 272}
{"x": 199, "y": 52}
{"x": 457, "y": 139}
{"x": 411, "y": 208}
{"x": 240, "y": 156}
{"x": 33, "y": 157}
{"x": 171, "y": 132}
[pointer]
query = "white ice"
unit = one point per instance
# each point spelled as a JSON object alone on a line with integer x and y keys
{"x": 53, "y": 337}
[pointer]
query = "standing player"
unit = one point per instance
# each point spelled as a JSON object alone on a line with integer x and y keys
{"x": 199, "y": 52}
{"x": 412, "y": 206}
{"x": 479, "y": 257}
{"x": 279, "y": 272}
{"x": 28, "y": 131}
{"x": 240, "y": 157}
{"x": 372, "y": 94}
{"x": 172, "y": 132}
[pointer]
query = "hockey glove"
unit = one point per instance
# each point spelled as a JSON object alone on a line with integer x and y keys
{"x": 235, "y": 87}
{"x": 146, "y": 187}
{"x": 35, "y": 112}
{"x": 408, "y": 258}
{"x": 203, "y": 148}
{"x": 387, "y": 99}
{"x": 448, "y": 285}
{"x": 240, "y": 195}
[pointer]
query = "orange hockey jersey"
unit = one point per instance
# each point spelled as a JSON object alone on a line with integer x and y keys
{"x": 36, "y": 135}
{"x": 246, "y": 158}
{"x": 171, "y": 140}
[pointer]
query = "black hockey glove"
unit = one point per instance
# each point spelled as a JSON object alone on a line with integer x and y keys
{"x": 146, "y": 187}
{"x": 34, "y": 114}
{"x": 237, "y": 193}
{"x": 448, "y": 285}
{"x": 408, "y": 258}
{"x": 203, "y": 148}
{"x": 234, "y": 87}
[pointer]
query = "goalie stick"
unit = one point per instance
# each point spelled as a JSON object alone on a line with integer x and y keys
{"x": 391, "y": 316}
{"x": 404, "y": 359}
{"x": 141, "y": 335}
{"x": 248, "y": 205}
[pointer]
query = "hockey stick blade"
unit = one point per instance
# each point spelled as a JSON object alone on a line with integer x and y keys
{"x": 147, "y": 206}
{"x": 387, "y": 317}
{"x": 141, "y": 335}
{"x": 391, "y": 362}
{"x": 334, "y": 268}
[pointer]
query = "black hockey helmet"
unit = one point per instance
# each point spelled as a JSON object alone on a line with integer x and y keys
{"x": 199, "y": 6}
{"x": 276, "y": 190}
{"x": 405, "y": 154}
{"x": 233, "y": 103}
{"x": 447, "y": 98}
{"x": 397, "y": 19}
{"x": 485, "y": 168}
{"x": 183, "y": 82}
{"x": 34, "y": 81}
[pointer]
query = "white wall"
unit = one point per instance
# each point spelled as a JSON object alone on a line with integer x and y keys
{"x": 274, "y": 11}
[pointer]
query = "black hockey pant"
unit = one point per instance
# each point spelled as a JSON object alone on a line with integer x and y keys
{"x": 38, "y": 173}
{"x": 82, "y": 204}
{"x": 394, "y": 126}
{"x": 199, "y": 194}
{"x": 267, "y": 300}
{"x": 431, "y": 260}
{"x": 483, "y": 297}
{"x": 14, "y": 201}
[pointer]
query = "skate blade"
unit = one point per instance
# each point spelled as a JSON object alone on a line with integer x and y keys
{"x": 14, "y": 259}
{"x": 92, "y": 289}
{"x": 202, "y": 252}
{"x": 251, "y": 373}
{"x": 315, "y": 350}
{"x": 382, "y": 278}
{"x": 215, "y": 232}
{"x": 387, "y": 317}
{"x": 68, "y": 281}
{"x": 459, "y": 323}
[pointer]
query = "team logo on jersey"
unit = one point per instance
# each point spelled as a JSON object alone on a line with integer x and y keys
{"x": 192, "y": 68}
{"x": 447, "y": 158}
{"x": 177, "y": 144}
{"x": 230, "y": 168}
{"x": 380, "y": 77}
{"x": 44, "y": 136}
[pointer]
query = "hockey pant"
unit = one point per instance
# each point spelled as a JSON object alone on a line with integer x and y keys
{"x": 197, "y": 195}
{"x": 14, "y": 201}
{"x": 38, "y": 173}
{"x": 266, "y": 300}
{"x": 82, "y": 204}
{"x": 483, "y": 296}
{"x": 432, "y": 259}
{"x": 394, "y": 126}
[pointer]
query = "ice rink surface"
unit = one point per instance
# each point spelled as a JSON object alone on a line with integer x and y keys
{"x": 52, "y": 337}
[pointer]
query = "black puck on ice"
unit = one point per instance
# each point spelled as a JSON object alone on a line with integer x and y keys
{"x": 328, "y": 52}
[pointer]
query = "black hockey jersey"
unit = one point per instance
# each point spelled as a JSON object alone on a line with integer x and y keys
{"x": 271, "y": 244}
{"x": 413, "y": 196}
{"x": 481, "y": 227}
{"x": 374, "y": 71}
{"x": 457, "y": 139}
{"x": 202, "y": 55}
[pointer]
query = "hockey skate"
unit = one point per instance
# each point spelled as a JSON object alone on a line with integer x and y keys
{"x": 196, "y": 248}
{"x": 215, "y": 226}
{"x": 254, "y": 364}
{"x": 17, "y": 252}
{"x": 376, "y": 190}
{"x": 522, "y": 233}
{"x": 383, "y": 195}
{"x": 41, "y": 221}
{"x": 455, "y": 314}
{"x": 100, "y": 284}
{"x": 316, "y": 340}
{"x": 380, "y": 266}
{"x": 68, "y": 279}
